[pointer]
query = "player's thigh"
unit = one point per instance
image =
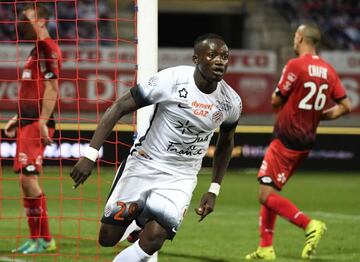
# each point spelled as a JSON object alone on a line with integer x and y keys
{"x": 168, "y": 207}
{"x": 279, "y": 164}
{"x": 29, "y": 149}
{"x": 127, "y": 194}
{"x": 30, "y": 185}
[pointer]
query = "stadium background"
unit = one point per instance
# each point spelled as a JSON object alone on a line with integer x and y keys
{"x": 98, "y": 40}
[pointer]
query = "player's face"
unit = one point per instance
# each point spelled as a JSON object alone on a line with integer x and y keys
{"x": 27, "y": 27}
{"x": 213, "y": 59}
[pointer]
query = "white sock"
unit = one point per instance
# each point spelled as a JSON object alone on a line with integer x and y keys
{"x": 133, "y": 253}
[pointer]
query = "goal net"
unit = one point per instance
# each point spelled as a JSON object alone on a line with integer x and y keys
{"x": 99, "y": 42}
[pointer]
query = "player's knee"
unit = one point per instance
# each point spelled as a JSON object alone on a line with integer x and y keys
{"x": 110, "y": 235}
{"x": 263, "y": 197}
{"x": 106, "y": 240}
{"x": 152, "y": 242}
{"x": 152, "y": 245}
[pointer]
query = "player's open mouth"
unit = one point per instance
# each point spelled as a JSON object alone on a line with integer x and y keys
{"x": 218, "y": 71}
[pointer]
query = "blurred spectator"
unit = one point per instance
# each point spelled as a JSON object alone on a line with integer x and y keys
{"x": 340, "y": 19}
{"x": 70, "y": 21}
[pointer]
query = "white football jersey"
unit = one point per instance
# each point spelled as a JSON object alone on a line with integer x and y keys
{"x": 184, "y": 119}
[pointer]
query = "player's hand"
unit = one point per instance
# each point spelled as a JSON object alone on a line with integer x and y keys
{"x": 10, "y": 127}
{"x": 44, "y": 134}
{"x": 81, "y": 171}
{"x": 206, "y": 206}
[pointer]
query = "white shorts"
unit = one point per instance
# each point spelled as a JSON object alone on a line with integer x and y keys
{"x": 143, "y": 193}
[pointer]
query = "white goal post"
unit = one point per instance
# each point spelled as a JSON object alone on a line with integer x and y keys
{"x": 147, "y": 61}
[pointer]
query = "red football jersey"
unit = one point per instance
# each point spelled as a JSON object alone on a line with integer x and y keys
{"x": 307, "y": 83}
{"x": 43, "y": 64}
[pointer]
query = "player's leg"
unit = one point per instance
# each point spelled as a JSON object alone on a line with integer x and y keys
{"x": 28, "y": 163}
{"x": 162, "y": 215}
{"x": 110, "y": 235}
{"x": 267, "y": 220}
{"x": 151, "y": 240}
{"x": 125, "y": 202}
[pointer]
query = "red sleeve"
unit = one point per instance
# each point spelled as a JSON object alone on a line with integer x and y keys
{"x": 338, "y": 90}
{"x": 288, "y": 78}
{"x": 49, "y": 61}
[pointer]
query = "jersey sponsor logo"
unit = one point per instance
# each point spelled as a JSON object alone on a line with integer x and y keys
{"x": 201, "y": 112}
{"x": 197, "y": 104}
{"x": 217, "y": 117}
{"x": 183, "y": 93}
{"x": 266, "y": 180}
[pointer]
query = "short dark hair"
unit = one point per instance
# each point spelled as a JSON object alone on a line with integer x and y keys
{"x": 41, "y": 10}
{"x": 203, "y": 37}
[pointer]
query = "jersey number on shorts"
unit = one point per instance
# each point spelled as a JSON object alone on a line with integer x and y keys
{"x": 122, "y": 206}
{"x": 320, "y": 99}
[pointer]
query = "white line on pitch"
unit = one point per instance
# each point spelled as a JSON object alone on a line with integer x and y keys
{"x": 9, "y": 259}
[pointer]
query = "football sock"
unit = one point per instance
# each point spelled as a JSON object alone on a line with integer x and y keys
{"x": 286, "y": 209}
{"x": 36, "y": 212}
{"x": 133, "y": 253}
{"x": 266, "y": 226}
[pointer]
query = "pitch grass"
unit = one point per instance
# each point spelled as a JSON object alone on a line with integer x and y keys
{"x": 225, "y": 236}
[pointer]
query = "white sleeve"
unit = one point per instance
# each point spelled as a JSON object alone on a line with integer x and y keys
{"x": 234, "y": 113}
{"x": 154, "y": 89}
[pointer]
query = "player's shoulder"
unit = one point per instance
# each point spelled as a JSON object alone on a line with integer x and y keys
{"x": 295, "y": 62}
{"x": 49, "y": 45}
{"x": 327, "y": 64}
{"x": 183, "y": 69}
{"x": 228, "y": 91}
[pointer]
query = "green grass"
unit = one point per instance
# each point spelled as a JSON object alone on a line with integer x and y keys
{"x": 225, "y": 236}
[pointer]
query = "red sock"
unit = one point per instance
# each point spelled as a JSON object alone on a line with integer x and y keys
{"x": 44, "y": 221}
{"x": 36, "y": 212}
{"x": 286, "y": 209}
{"x": 266, "y": 226}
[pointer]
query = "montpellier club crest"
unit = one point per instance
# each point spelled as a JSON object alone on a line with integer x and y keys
{"x": 217, "y": 117}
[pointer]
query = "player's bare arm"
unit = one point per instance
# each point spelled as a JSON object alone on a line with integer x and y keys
{"x": 48, "y": 105}
{"x": 122, "y": 106}
{"x": 222, "y": 156}
{"x": 11, "y": 126}
{"x": 342, "y": 108}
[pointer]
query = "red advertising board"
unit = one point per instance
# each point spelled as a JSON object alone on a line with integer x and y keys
{"x": 91, "y": 79}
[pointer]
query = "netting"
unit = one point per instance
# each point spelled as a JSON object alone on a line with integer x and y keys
{"x": 98, "y": 44}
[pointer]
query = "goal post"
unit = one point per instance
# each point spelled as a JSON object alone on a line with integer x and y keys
{"x": 147, "y": 62}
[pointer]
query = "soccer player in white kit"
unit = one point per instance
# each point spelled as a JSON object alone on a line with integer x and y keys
{"x": 154, "y": 184}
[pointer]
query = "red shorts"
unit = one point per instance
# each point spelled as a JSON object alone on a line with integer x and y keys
{"x": 279, "y": 164}
{"x": 29, "y": 149}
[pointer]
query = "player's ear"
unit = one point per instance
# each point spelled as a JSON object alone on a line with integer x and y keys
{"x": 195, "y": 59}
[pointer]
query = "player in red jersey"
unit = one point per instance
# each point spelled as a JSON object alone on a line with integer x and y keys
{"x": 34, "y": 124}
{"x": 306, "y": 86}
